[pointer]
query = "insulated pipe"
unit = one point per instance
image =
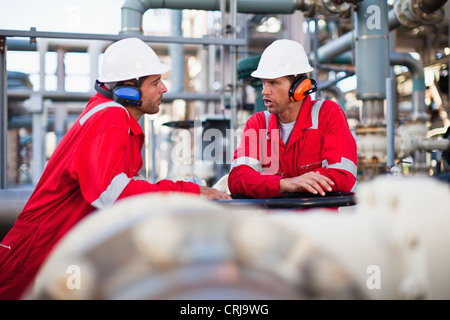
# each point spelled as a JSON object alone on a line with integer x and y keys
{"x": 372, "y": 41}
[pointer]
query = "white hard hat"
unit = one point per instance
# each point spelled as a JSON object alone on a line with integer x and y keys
{"x": 282, "y": 58}
{"x": 130, "y": 58}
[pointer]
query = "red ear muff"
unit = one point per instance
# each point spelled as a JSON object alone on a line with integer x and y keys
{"x": 301, "y": 88}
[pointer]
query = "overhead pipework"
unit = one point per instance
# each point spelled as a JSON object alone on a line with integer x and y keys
{"x": 133, "y": 10}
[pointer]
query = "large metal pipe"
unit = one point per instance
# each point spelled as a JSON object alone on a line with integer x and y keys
{"x": 413, "y": 13}
{"x": 332, "y": 49}
{"x": 418, "y": 78}
{"x": 176, "y": 54}
{"x": 20, "y": 95}
{"x": 372, "y": 41}
{"x": 390, "y": 122}
{"x": 417, "y": 75}
{"x": 133, "y": 10}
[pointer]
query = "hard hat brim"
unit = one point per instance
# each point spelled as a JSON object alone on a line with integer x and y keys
{"x": 265, "y": 75}
{"x": 163, "y": 68}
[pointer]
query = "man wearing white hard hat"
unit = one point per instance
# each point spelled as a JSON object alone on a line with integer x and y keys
{"x": 297, "y": 145}
{"x": 96, "y": 163}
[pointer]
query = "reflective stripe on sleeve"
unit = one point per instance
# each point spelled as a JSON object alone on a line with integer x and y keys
{"x": 139, "y": 177}
{"x": 251, "y": 162}
{"x": 315, "y": 114}
{"x": 101, "y": 107}
{"x": 345, "y": 164}
{"x": 112, "y": 192}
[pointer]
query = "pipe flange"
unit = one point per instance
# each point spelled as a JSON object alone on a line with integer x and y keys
{"x": 331, "y": 7}
{"x": 314, "y": 8}
{"x": 410, "y": 14}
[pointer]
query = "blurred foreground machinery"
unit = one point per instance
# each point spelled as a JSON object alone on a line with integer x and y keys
{"x": 392, "y": 245}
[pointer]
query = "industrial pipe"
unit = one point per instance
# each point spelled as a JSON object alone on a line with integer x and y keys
{"x": 418, "y": 78}
{"x": 430, "y": 6}
{"x": 427, "y": 144}
{"x": 332, "y": 49}
{"x": 390, "y": 122}
{"x": 417, "y": 75}
{"x": 372, "y": 40}
{"x": 133, "y": 10}
{"x": 413, "y": 13}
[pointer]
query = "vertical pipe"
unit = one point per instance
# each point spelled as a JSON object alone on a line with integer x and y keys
{"x": 204, "y": 74}
{"x": 223, "y": 11}
{"x": 316, "y": 60}
{"x": 390, "y": 121}
{"x": 39, "y": 129}
{"x": 233, "y": 62}
{"x": 176, "y": 53}
{"x": 42, "y": 49}
{"x": 372, "y": 42}
{"x": 60, "y": 107}
{"x": 132, "y": 13}
{"x": 60, "y": 69}
{"x": 212, "y": 62}
{"x": 94, "y": 50}
{"x": 3, "y": 114}
{"x": 153, "y": 146}
{"x": 391, "y": 101}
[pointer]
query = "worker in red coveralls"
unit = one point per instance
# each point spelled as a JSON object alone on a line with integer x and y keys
{"x": 96, "y": 163}
{"x": 297, "y": 145}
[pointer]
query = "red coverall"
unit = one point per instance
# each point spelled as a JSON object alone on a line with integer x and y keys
{"x": 97, "y": 162}
{"x": 320, "y": 141}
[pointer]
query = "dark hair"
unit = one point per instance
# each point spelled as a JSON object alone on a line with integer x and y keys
{"x": 136, "y": 82}
{"x": 293, "y": 78}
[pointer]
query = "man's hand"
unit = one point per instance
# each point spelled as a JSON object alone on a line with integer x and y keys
{"x": 212, "y": 193}
{"x": 312, "y": 182}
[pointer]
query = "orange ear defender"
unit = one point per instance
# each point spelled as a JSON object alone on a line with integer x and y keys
{"x": 301, "y": 88}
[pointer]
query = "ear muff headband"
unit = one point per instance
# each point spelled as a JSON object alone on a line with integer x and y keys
{"x": 301, "y": 88}
{"x": 122, "y": 94}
